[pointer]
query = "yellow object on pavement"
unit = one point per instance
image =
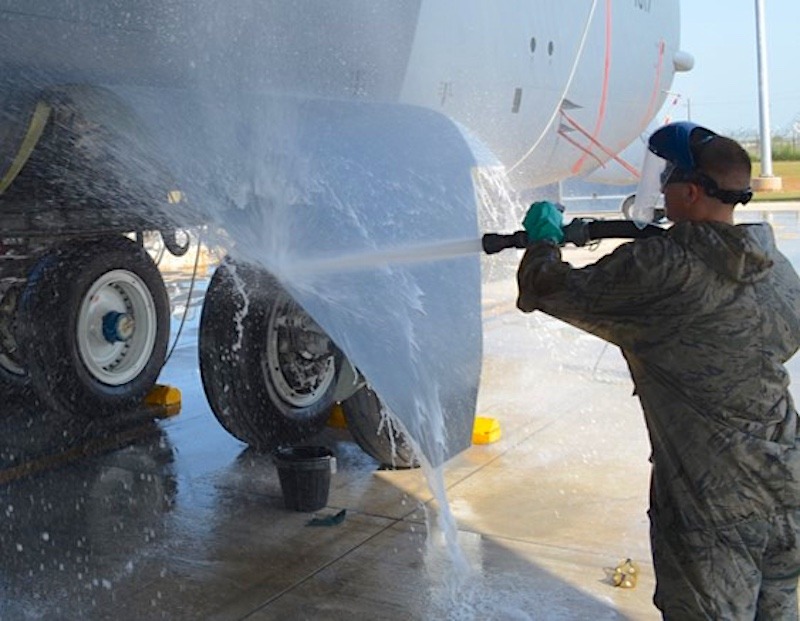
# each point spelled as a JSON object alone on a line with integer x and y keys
{"x": 485, "y": 430}
{"x": 167, "y": 399}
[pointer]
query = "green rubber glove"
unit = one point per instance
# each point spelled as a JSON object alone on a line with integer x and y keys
{"x": 544, "y": 221}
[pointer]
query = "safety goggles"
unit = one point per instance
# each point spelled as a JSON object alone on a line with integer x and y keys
{"x": 674, "y": 174}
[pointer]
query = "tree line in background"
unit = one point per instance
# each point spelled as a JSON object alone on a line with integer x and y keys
{"x": 783, "y": 149}
{"x": 785, "y": 144}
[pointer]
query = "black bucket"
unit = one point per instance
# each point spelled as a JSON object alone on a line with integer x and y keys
{"x": 305, "y": 475}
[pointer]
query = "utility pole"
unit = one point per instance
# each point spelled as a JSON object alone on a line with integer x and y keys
{"x": 766, "y": 181}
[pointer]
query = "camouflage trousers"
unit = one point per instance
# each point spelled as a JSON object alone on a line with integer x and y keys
{"x": 746, "y": 571}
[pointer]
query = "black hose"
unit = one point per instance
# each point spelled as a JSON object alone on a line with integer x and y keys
{"x": 172, "y": 244}
{"x": 619, "y": 229}
{"x": 578, "y": 232}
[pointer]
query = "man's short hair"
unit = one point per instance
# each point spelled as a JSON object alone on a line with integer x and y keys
{"x": 722, "y": 158}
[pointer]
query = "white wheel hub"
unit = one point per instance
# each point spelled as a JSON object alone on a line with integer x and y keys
{"x": 116, "y": 327}
{"x": 298, "y": 361}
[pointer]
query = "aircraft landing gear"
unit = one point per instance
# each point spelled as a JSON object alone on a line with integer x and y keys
{"x": 269, "y": 371}
{"x": 93, "y": 325}
{"x": 271, "y": 374}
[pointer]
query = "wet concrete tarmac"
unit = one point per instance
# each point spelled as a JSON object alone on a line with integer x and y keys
{"x": 184, "y": 522}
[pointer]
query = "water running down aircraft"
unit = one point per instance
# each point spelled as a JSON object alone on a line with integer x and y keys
{"x": 300, "y": 129}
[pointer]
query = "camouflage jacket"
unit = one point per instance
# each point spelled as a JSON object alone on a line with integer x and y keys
{"x": 706, "y": 317}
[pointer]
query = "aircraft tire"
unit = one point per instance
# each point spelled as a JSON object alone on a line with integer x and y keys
{"x": 77, "y": 299}
{"x": 11, "y": 379}
{"x": 13, "y": 376}
{"x": 268, "y": 371}
{"x": 14, "y": 387}
{"x": 627, "y": 206}
{"x": 383, "y": 443}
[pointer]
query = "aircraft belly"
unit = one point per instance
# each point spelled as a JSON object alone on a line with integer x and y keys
{"x": 510, "y": 92}
{"x": 352, "y": 48}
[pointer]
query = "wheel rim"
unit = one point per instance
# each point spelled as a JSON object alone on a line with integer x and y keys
{"x": 117, "y": 356}
{"x": 299, "y": 362}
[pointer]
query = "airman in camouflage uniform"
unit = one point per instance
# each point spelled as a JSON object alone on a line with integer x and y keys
{"x": 706, "y": 316}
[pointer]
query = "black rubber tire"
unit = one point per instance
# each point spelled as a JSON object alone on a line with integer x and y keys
{"x": 13, "y": 381}
{"x": 14, "y": 388}
{"x": 48, "y": 325}
{"x": 14, "y": 377}
{"x": 385, "y": 444}
{"x": 627, "y": 206}
{"x": 234, "y": 332}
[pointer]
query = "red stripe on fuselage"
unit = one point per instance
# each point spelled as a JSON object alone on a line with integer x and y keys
{"x": 651, "y": 108}
{"x": 601, "y": 113}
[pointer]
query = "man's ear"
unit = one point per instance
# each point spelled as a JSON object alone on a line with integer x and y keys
{"x": 693, "y": 193}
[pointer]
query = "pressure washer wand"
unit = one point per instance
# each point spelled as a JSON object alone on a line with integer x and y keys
{"x": 579, "y": 232}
